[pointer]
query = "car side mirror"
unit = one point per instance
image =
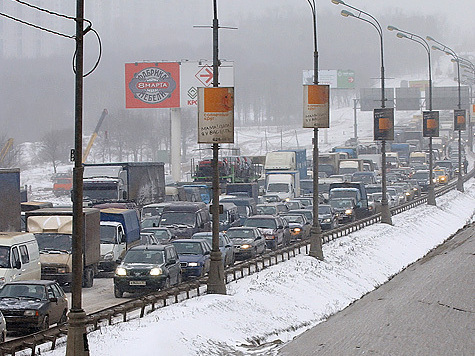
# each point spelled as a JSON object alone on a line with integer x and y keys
{"x": 118, "y": 261}
{"x": 228, "y": 246}
{"x": 208, "y": 253}
{"x": 53, "y": 299}
{"x": 280, "y": 227}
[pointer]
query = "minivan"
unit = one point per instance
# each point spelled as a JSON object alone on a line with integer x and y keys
{"x": 186, "y": 218}
{"x": 19, "y": 257}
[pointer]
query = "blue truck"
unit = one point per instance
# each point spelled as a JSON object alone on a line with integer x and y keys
{"x": 120, "y": 231}
{"x": 300, "y": 161}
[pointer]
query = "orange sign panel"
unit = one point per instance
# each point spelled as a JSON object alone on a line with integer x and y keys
{"x": 216, "y": 115}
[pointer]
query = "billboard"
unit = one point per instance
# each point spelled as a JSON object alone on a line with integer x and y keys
{"x": 195, "y": 74}
{"x": 316, "y": 107}
{"x": 216, "y": 115}
{"x": 459, "y": 120}
{"x": 152, "y": 85}
{"x": 370, "y": 98}
{"x": 383, "y": 124}
{"x": 430, "y": 124}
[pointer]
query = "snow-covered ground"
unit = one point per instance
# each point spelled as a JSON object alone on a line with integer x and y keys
{"x": 262, "y": 311}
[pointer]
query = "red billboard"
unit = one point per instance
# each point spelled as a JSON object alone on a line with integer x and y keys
{"x": 152, "y": 85}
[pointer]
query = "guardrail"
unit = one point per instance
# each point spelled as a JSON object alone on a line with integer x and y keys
{"x": 141, "y": 306}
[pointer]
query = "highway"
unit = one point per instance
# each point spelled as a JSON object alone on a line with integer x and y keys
{"x": 428, "y": 309}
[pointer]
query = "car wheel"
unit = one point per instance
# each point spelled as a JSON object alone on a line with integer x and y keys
{"x": 179, "y": 278}
{"x": 45, "y": 323}
{"x": 88, "y": 280}
{"x": 166, "y": 284}
{"x": 117, "y": 292}
{"x": 64, "y": 318}
{"x": 3, "y": 336}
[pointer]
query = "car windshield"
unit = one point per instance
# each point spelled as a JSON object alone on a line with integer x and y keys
{"x": 161, "y": 235}
{"x": 152, "y": 211}
{"x": 324, "y": 209}
{"x": 188, "y": 248}
{"x": 421, "y": 175}
{"x": 149, "y": 222}
{"x": 177, "y": 218}
{"x": 241, "y": 234}
{"x": 5, "y": 257}
{"x": 262, "y": 223}
{"x": 341, "y": 204}
{"x": 54, "y": 242}
{"x": 209, "y": 237}
{"x": 144, "y": 256}
{"x": 278, "y": 187}
{"x": 108, "y": 234}
{"x": 23, "y": 290}
{"x": 294, "y": 218}
{"x": 266, "y": 210}
{"x": 293, "y": 205}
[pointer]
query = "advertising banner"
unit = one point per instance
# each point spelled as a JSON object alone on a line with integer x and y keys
{"x": 459, "y": 120}
{"x": 383, "y": 124}
{"x": 152, "y": 85}
{"x": 216, "y": 115}
{"x": 316, "y": 107}
{"x": 430, "y": 124}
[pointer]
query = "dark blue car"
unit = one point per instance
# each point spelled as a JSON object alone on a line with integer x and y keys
{"x": 194, "y": 256}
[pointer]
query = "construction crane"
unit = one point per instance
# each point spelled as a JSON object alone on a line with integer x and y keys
{"x": 8, "y": 145}
{"x": 94, "y": 135}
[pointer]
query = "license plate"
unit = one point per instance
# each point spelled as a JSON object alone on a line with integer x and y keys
{"x": 137, "y": 283}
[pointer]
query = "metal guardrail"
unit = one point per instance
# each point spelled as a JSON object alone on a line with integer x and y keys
{"x": 148, "y": 303}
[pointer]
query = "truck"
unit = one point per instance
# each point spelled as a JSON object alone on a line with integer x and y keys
{"x": 351, "y": 151}
{"x": 392, "y": 160}
{"x": 418, "y": 158}
{"x": 10, "y": 200}
{"x": 276, "y": 160}
{"x": 53, "y": 229}
{"x": 300, "y": 161}
{"x": 403, "y": 150}
{"x": 138, "y": 182}
{"x": 119, "y": 231}
{"x": 286, "y": 184}
{"x": 328, "y": 163}
{"x": 349, "y": 166}
{"x": 247, "y": 189}
{"x": 352, "y": 190}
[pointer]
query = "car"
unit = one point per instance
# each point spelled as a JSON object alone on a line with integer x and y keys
{"x": 306, "y": 201}
{"x": 33, "y": 305}
{"x": 344, "y": 209}
{"x": 274, "y": 228}
{"x": 248, "y": 242}
{"x": 3, "y": 328}
{"x": 271, "y": 208}
{"x": 327, "y": 217}
{"x": 162, "y": 234}
{"x": 441, "y": 175}
{"x": 299, "y": 226}
{"x": 307, "y": 212}
{"x": 225, "y": 246}
{"x": 194, "y": 256}
{"x": 294, "y": 204}
{"x": 148, "y": 238}
{"x": 147, "y": 268}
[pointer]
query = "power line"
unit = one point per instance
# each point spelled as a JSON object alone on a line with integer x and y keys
{"x": 36, "y": 26}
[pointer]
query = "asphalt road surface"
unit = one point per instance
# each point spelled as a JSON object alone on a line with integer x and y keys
{"x": 428, "y": 309}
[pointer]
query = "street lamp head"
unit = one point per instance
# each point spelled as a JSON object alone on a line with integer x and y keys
{"x": 392, "y": 28}
{"x": 428, "y": 38}
{"x": 338, "y": 2}
{"x": 435, "y": 48}
{"x": 449, "y": 54}
{"x": 401, "y": 35}
{"x": 347, "y": 13}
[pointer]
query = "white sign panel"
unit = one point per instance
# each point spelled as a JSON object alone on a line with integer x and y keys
{"x": 195, "y": 74}
{"x": 316, "y": 107}
{"x": 216, "y": 115}
{"x": 329, "y": 77}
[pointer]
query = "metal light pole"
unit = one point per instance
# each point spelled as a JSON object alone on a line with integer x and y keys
{"x": 470, "y": 67}
{"x": 77, "y": 344}
{"x": 451, "y": 52}
{"x": 385, "y": 212}
{"x": 316, "y": 231}
{"x": 215, "y": 283}
{"x": 423, "y": 43}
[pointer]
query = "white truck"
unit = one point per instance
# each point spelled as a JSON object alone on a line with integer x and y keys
{"x": 350, "y": 166}
{"x": 285, "y": 183}
{"x": 280, "y": 161}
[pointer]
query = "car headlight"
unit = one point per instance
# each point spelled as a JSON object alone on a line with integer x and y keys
{"x": 62, "y": 269}
{"x": 193, "y": 264}
{"x": 31, "y": 313}
{"x": 297, "y": 229}
{"x": 328, "y": 220}
{"x": 349, "y": 211}
{"x": 245, "y": 246}
{"x": 407, "y": 193}
{"x": 121, "y": 271}
{"x": 108, "y": 256}
{"x": 156, "y": 271}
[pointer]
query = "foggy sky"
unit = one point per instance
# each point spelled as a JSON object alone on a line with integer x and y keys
{"x": 270, "y": 48}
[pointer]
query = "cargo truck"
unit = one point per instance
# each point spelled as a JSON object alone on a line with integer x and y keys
{"x": 53, "y": 228}
{"x": 250, "y": 190}
{"x": 135, "y": 182}
{"x": 120, "y": 231}
{"x": 350, "y": 166}
{"x": 286, "y": 184}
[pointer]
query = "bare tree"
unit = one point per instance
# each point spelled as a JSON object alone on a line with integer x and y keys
{"x": 56, "y": 146}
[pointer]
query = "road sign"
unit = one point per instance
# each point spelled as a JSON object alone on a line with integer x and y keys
{"x": 316, "y": 107}
{"x": 216, "y": 115}
{"x": 430, "y": 124}
{"x": 383, "y": 124}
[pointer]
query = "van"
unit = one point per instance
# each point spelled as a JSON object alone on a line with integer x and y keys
{"x": 186, "y": 218}
{"x": 19, "y": 257}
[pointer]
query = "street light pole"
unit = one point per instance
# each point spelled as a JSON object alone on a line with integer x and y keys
{"x": 385, "y": 212}
{"x": 423, "y": 43}
{"x": 447, "y": 50}
{"x": 316, "y": 231}
{"x": 77, "y": 344}
{"x": 215, "y": 283}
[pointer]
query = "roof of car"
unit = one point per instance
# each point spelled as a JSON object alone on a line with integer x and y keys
{"x": 262, "y": 217}
{"x": 35, "y": 281}
{"x": 149, "y": 247}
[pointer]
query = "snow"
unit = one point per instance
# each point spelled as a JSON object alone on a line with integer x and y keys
{"x": 264, "y": 310}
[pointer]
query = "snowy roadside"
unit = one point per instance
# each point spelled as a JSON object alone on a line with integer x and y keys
{"x": 267, "y": 309}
